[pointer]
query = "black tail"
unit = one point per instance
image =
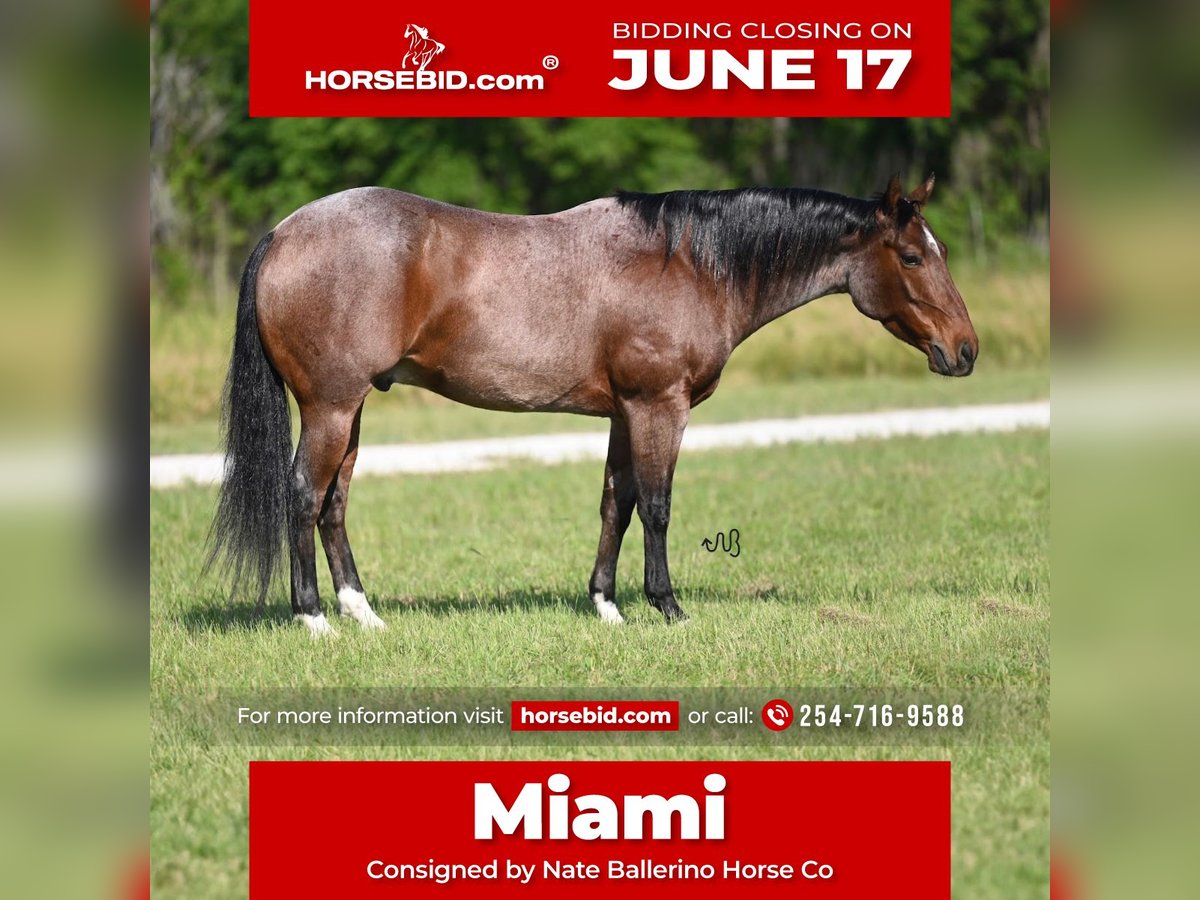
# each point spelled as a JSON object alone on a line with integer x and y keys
{"x": 247, "y": 532}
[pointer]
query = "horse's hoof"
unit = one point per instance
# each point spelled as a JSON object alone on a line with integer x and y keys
{"x": 318, "y": 626}
{"x": 607, "y": 610}
{"x": 370, "y": 621}
{"x": 676, "y": 617}
{"x": 353, "y": 604}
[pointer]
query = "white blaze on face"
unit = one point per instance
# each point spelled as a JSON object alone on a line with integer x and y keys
{"x": 931, "y": 240}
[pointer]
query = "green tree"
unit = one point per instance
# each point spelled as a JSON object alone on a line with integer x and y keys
{"x": 220, "y": 178}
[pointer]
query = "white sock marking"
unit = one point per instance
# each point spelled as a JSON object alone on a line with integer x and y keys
{"x": 933, "y": 244}
{"x": 353, "y": 604}
{"x": 607, "y": 609}
{"x": 318, "y": 625}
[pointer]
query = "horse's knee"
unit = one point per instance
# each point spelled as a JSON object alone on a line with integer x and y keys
{"x": 655, "y": 511}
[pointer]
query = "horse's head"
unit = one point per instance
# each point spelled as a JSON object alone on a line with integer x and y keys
{"x": 899, "y": 277}
{"x": 420, "y": 32}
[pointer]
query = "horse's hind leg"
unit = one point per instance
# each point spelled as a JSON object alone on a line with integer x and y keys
{"x": 352, "y": 601}
{"x": 324, "y": 441}
{"x": 616, "y": 509}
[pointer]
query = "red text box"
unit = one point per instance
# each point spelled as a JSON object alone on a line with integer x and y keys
{"x": 838, "y": 829}
{"x": 625, "y": 58}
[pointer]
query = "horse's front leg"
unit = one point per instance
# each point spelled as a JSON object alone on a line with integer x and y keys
{"x": 616, "y": 509}
{"x": 655, "y": 432}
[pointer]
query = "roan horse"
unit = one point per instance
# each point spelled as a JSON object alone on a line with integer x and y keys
{"x": 626, "y": 307}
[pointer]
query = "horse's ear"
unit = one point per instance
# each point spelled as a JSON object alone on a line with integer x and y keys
{"x": 920, "y": 196}
{"x": 891, "y": 197}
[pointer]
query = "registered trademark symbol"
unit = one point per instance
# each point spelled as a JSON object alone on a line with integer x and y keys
{"x": 550, "y": 62}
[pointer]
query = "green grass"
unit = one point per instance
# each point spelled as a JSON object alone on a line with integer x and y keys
{"x": 904, "y": 563}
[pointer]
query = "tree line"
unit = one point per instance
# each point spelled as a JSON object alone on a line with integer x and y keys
{"x": 219, "y": 179}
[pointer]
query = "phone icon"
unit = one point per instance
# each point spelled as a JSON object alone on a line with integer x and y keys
{"x": 777, "y": 714}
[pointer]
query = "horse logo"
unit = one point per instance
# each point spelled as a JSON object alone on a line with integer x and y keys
{"x": 421, "y": 47}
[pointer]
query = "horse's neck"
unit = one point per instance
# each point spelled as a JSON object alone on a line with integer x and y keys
{"x": 830, "y": 276}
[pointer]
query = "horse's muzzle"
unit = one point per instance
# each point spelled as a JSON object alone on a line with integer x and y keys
{"x": 940, "y": 361}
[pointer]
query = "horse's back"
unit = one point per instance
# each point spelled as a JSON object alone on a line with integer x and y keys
{"x": 359, "y": 280}
{"x": 374, "y": 286}
{"x": 357, "y": 207}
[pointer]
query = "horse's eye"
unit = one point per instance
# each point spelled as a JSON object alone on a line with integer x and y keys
{"x": 910, "y": 260}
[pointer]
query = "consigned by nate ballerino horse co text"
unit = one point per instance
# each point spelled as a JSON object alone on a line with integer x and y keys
{"x": 548, "y": 812}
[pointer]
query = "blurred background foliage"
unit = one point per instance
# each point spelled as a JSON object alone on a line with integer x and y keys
{"x": 219, "y": 179}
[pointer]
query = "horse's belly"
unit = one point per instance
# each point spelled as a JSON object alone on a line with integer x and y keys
{"x": 497, "y": 384}
{"x": 520, "y": 347}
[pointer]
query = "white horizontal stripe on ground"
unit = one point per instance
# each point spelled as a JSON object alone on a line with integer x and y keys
{"x": 477, "y": 455}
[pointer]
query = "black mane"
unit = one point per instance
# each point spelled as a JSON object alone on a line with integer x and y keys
{"x": 753, "y": 235}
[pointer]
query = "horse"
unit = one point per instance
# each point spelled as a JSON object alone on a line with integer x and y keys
{"x": 421, "y": 47}
{"x": 625, "y": 308}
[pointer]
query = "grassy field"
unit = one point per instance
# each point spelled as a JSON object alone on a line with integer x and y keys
{"x": 905, "y": 563}
{"x": 900, "y": 564}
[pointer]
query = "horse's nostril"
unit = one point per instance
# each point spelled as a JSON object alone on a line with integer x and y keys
{"x": 943, "y": 364}
{"x": 965, "y": 354}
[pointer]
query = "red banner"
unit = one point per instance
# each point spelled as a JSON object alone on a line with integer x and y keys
{"x": 699, "y": 58}
{"x": 554, "y": 829}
